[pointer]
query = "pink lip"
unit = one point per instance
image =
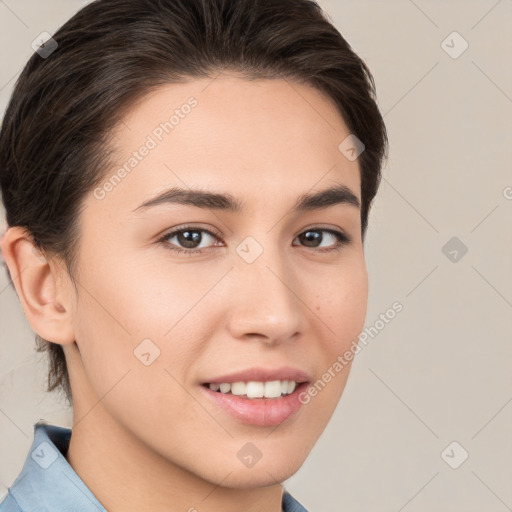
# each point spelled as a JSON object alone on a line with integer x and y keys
{"x": 259, "y": 411}
{"x": 262, "y": 375}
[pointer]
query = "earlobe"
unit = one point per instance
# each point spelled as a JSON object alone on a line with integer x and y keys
{"x": 39, "y": 286}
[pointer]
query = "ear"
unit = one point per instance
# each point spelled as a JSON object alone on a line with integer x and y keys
{"x": 42, "y": 288}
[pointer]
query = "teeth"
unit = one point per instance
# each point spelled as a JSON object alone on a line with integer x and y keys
{"x": 272, "y": 389}
{"x": 224, "y": 387}
{"x": 254, "y": 389}
{"x": 238, "y": 388}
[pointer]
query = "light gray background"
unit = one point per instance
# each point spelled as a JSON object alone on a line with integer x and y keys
{"x": 440, "y": 370}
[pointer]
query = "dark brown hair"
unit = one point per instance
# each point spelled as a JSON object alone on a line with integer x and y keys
{"x": 54, "y": 136}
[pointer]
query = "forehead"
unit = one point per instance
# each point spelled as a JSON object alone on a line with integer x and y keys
{"x": 265, "y": 139}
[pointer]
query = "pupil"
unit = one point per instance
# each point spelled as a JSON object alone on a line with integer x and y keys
{"x": 184, "y": 238}
{"x": 312, "y": 236}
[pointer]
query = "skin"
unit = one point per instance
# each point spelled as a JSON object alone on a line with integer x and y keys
{"x": 144, "y": 437}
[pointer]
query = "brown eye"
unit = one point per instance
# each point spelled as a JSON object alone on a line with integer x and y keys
{"x": 313, "y": 238}
{"x": 187, "y": 239}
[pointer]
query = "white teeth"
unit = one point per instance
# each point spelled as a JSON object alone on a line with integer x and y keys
{"x": 238, "y": 388}
{"x": 254, "y": 389}
{"x": 272, "y": 389}
{"x": 225, "y": 387}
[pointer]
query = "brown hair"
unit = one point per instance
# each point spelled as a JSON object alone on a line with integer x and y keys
{"x": 53, "y": 139}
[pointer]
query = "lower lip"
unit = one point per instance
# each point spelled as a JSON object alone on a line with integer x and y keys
{"x": 258, "y": 411}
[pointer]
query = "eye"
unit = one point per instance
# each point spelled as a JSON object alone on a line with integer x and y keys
{"x": 188, "y": 239}
{"x": 313, "y": 237}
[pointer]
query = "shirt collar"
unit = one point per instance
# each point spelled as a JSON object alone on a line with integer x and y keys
{"x": 47, "y": 481}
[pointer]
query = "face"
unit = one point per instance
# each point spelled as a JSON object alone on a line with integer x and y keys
{"x": 179, "y": 297}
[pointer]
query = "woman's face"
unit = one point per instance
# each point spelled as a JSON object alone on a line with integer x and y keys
{"x": 270, "y": 295}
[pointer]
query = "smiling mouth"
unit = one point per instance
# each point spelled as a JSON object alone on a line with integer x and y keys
{"x": 265, "y": 402}
{"x": 255, "y": 389}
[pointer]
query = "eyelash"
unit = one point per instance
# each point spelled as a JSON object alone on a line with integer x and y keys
{"x": 342, "y": 240}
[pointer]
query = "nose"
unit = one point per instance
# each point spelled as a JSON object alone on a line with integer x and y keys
{"x": 266, "y": 303}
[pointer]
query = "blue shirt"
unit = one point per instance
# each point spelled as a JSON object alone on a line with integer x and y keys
{"x": 47, "y": 483}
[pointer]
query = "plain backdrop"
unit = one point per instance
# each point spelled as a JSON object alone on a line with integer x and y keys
{"x": 425, "y": 421}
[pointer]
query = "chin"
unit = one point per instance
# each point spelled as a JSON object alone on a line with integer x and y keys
{"x": 251, "y": 467}
{"x": 262, "y": 474}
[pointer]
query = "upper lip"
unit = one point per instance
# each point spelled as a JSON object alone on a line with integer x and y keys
{"x": 261, "y": 374}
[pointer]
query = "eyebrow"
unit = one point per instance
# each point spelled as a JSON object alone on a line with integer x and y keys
{"x": 340, "y": 194}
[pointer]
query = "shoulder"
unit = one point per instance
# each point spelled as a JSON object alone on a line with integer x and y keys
{"x": 290, "y": 504}
{"x": 47, "y": 481}
{"x": 9, "y": 504}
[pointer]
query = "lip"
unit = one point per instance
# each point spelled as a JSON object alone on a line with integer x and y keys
{"x": 262, "y": 375}
{"x": 259, "y": 411}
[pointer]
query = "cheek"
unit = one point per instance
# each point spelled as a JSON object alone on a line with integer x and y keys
{"x": 341, "y": 304}
{"x": 136, "y": 342}
{"x": 135, "y": 312}
{"x": 117, "y": 310}
{"x": 341, "y": 310}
